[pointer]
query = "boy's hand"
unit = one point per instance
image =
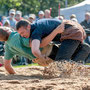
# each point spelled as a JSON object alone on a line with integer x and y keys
{"x": 43, "y": 61}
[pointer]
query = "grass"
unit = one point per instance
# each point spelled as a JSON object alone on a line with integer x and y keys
{"x": 87, "y": 64}
{"x": 18, "y": 66}
{"x": 33, "y": 64}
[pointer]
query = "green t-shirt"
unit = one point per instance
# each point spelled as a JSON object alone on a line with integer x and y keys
{"x": 17, "y": 45}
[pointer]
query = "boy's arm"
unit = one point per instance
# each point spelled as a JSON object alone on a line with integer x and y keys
{"x": 7, "y": 60}
{"x": 50, "y": 37}
{"x": 35, "y": 48}
{"x": 8, "y": 66}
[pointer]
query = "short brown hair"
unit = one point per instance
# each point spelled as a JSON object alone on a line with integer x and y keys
{"x": 3, "y": 34}
{"x": 23, "y": 23}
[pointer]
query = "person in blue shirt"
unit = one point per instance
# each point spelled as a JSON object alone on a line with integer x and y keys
{"x": 45, "y": 28}
{"x": 71, "y": 37}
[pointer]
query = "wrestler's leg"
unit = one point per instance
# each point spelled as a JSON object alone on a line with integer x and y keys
{"x": 82, "y": 53}
{"x": 67, "y": 49}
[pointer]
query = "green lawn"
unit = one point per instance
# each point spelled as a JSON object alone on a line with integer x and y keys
{"x": 87, "y": 64}
{"x": 18, "y": 66}
{"x": 33, "y": 64}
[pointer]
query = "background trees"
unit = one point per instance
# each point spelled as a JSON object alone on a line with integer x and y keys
{"x": 33, "y": 6}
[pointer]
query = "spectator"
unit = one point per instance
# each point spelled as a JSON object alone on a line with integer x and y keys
{"x": 1, "y": 24}
{"x": 11, "y": 19}
{"x": 18, "y": 16}
{"x": 47, "y": 13}
{"x": 1, "y": 48}
{"x": 25, "y": 17}
{"x": 60, "y": 17}
{"x": 3, "y": 19}
{"x": 1, "y": 53}
{"x": 6, "y": 23}
{"x": 86, "y": 26}
{"x": 73, "y": 18}
{"x": 86, "y": 22}
{"x": 23, "y": 61}
{"x": 32, "y": 18}
{"x": 41, "y": 14}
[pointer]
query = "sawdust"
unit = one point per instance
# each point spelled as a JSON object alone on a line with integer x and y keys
{"x": 66, "y": 69}
{"x": 57, "y": 76}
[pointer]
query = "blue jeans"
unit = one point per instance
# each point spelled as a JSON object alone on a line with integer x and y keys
{"x": 87, "y": 40}
{"x": 83, "y": 52}
{"x": 67, "y": 49}
{"x": 73, "y": 49}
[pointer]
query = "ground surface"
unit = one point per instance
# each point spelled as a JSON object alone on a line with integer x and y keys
{"x": 31, "y": 78}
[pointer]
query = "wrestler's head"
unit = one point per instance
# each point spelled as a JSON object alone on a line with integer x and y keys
{"x": 23, "y": 28}
{"x": 4, "y": 33}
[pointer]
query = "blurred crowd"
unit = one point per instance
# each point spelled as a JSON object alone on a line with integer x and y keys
{"x": 15, "y": 16}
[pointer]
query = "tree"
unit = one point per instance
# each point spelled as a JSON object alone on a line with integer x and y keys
{"x": 33, "y": 6}
{"x": 6, "y": 5}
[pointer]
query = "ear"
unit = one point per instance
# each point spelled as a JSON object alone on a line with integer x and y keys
{"x": 29, "y": 26}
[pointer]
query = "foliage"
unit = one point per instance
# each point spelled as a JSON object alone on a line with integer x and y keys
{"x": 33, "y": 6}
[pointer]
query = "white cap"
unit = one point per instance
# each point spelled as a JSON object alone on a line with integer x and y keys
{"x": 59, "y": 17}
{"x": 25, "y": 16}
{"x": 32, "y": 16}
{"x": 6, "y": 21}
{"x": 87, "y": 13}
{"x": 18, "y": 12}
{"x": 41, "y": 12}
{"x": 74, "y": 19}
{"x": 12, "y": 11}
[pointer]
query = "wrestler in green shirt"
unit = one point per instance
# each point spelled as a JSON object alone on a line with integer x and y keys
{"x": 17, "y": 45}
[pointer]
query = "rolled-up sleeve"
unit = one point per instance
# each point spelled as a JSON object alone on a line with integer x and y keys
{"x": 8, "y": 54}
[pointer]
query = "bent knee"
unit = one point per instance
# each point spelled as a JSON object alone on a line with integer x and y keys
{"x": 86, "y": 47}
